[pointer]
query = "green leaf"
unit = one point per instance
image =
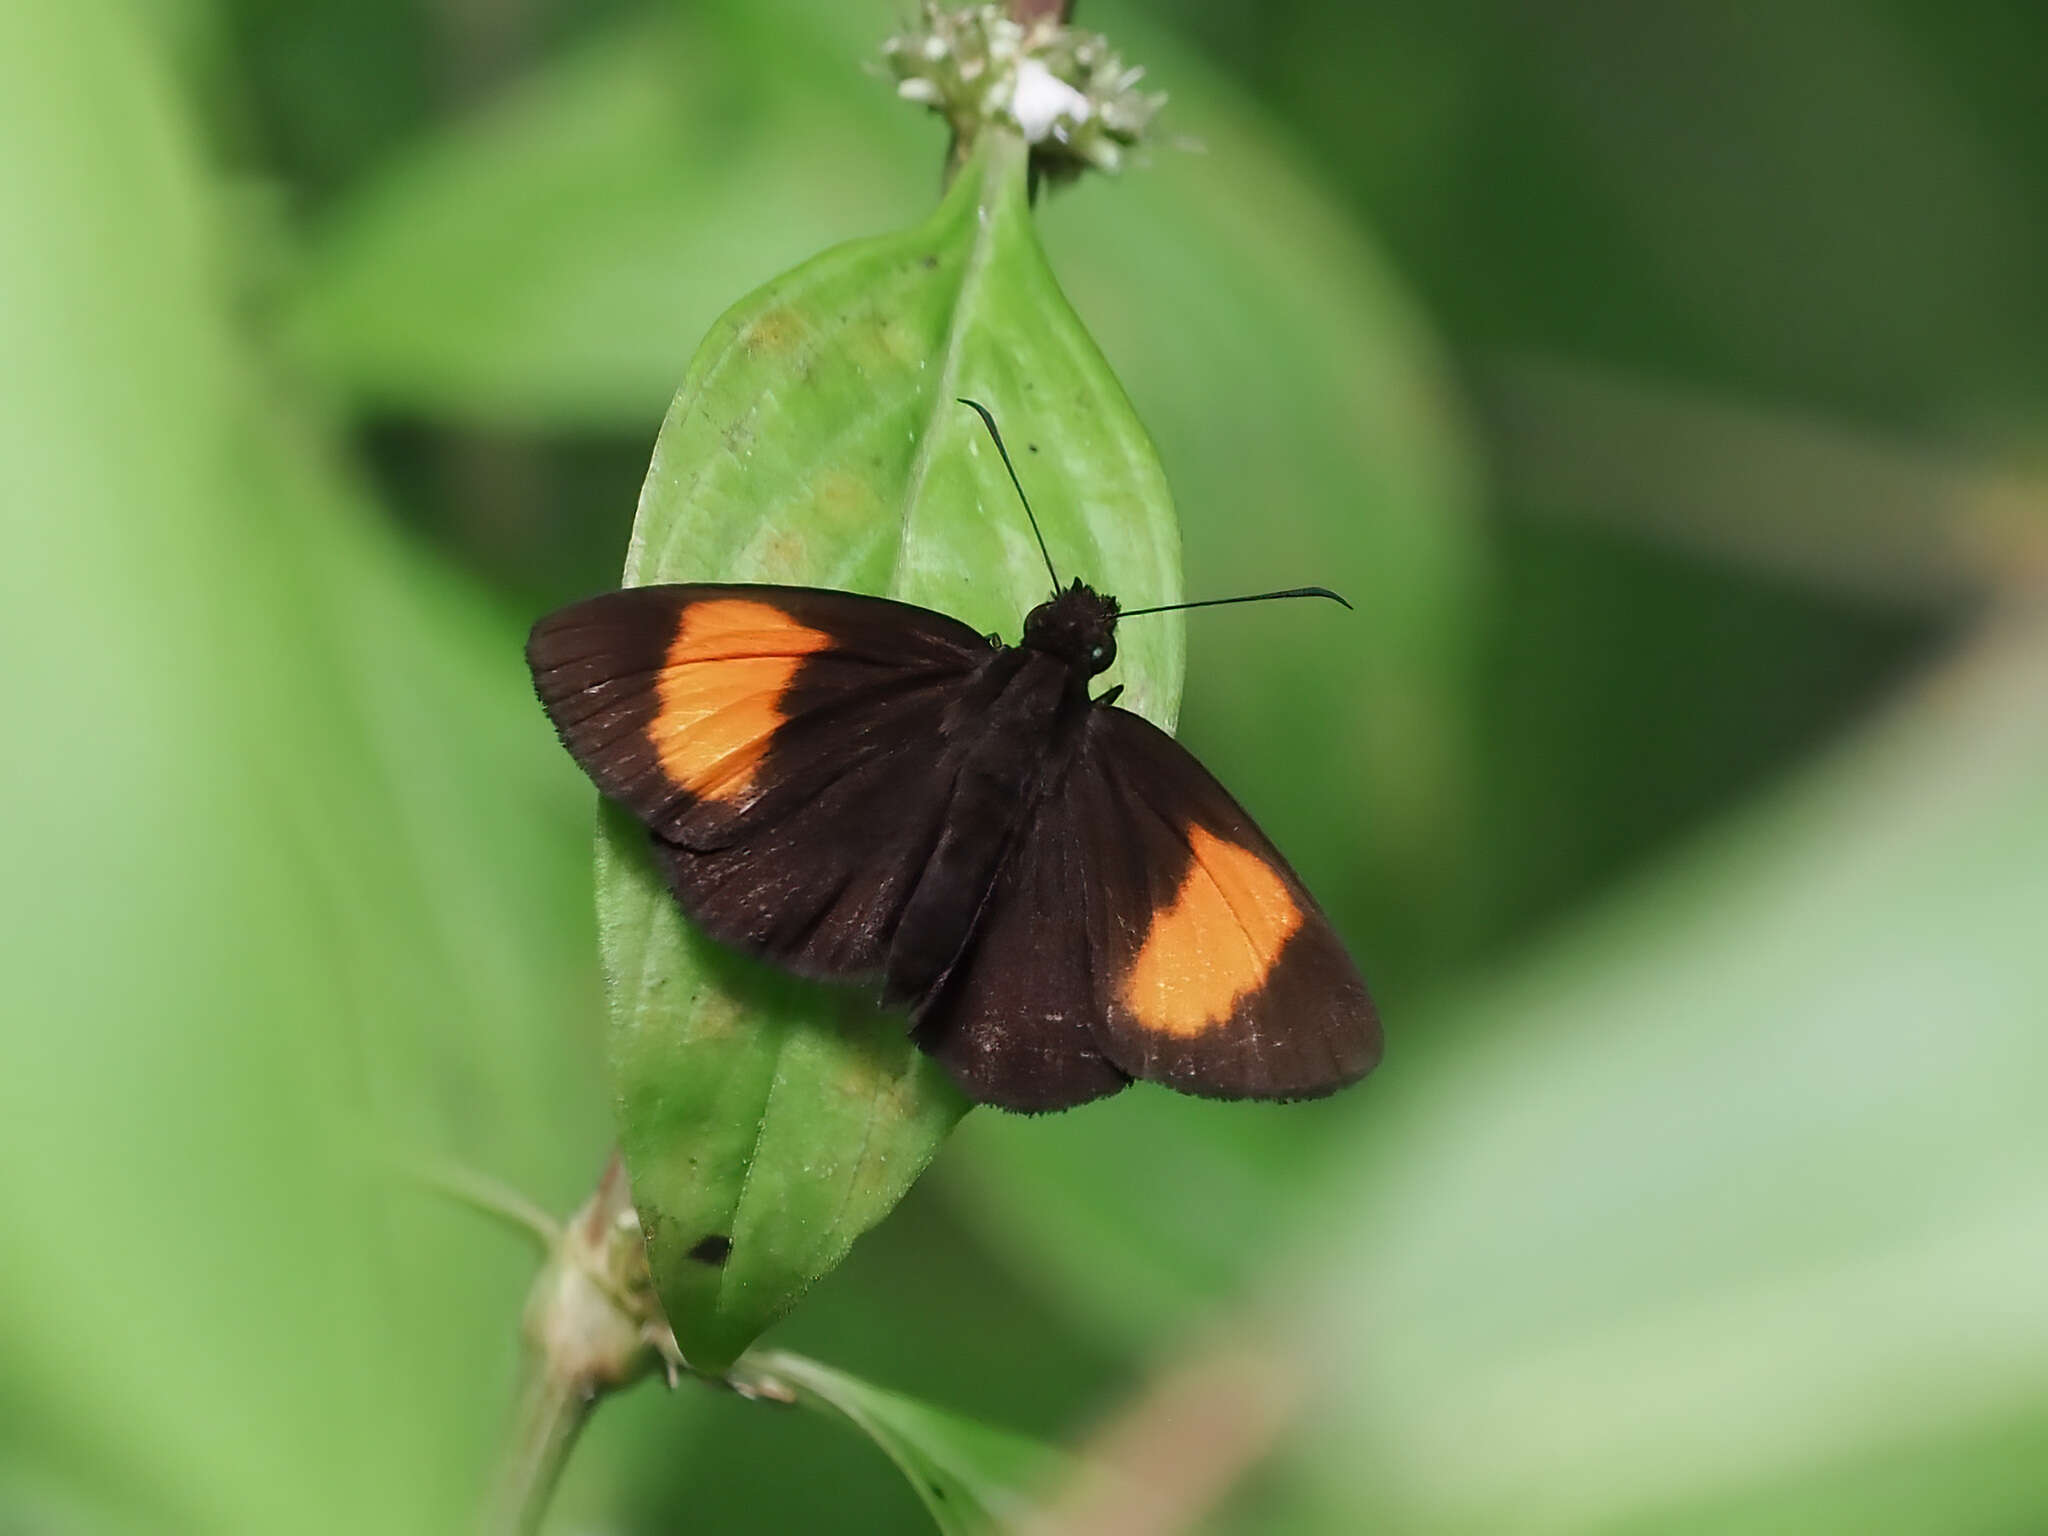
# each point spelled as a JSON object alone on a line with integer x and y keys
{"x": 292, "y": 882}
{"x": 818, "y": 440}
{"x": 975, "y": 1479}
{"x": 1734, "y": 1192}
{"x": 553, "y": 260}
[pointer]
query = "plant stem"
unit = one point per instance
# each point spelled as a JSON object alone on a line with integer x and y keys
{"x": 593, "y": 1326}
{"x": 552, "y": 1412}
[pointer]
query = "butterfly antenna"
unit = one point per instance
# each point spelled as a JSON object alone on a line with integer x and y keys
{"x": 990, "y": 422}
{"x": 1218, "y": 602}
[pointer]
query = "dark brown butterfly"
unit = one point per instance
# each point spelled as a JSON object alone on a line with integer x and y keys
{"x": 859, "y": 790}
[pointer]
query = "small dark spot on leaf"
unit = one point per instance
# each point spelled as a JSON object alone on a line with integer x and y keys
{"x": 931, "y": 262}
{"x": 938, "y": 1491}
{"x": 714, "y": 1250}
{"x": 1032, "y": 446}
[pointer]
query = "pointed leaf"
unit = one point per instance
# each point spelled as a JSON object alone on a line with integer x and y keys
{"x": 552, "y": 259}
{"x": 975, "y": 1479}
{"x": 818, "y": 440}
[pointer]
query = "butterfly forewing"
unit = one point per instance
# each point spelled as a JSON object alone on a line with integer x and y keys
{"x": 784, "y": 745}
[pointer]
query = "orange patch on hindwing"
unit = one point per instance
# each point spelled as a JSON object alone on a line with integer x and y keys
{"x": 1215, "y": 945}
{"x": 720, "y": 691}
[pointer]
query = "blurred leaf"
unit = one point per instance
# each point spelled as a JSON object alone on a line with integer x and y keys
{"x": 292, "y": 878}
{"x": 1145, "y": 1213}
{"x": 1688, "y": 192}
{"x": 554, "y": 260}
{"x": 818, "y": 440}
{"x": 1883, "y": 519}
{"x": 1738, "y": 1187}
{"x": 974, "y": 1479}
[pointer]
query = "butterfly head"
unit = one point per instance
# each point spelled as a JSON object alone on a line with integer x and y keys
{"x": 1078, "y": 626}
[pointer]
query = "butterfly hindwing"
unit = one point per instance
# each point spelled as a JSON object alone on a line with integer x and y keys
{"x": 1144, "y": 901}
{"x": 1219, "y": 973}
{"x": 784, "y": 745}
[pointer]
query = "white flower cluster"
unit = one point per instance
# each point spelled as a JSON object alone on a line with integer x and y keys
{"x": 1066, "y": 91}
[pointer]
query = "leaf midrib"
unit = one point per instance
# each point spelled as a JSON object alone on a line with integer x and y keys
{"x": 999, "y": 155}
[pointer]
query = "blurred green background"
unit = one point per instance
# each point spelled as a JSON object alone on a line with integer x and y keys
{"x": 1665, "y": 382}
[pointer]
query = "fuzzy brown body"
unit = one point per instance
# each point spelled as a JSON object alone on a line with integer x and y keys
{"x": 862, "y": 791}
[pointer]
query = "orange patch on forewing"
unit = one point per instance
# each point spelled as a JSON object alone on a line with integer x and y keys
{"x": 1215, "y": 944}
{"x": 721, "y": 690}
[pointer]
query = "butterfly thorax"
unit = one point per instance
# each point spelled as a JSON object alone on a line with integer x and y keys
{"x": 1078, "y": 626}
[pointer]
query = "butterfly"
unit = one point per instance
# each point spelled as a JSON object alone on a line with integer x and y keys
{"x": 860, "y": 790}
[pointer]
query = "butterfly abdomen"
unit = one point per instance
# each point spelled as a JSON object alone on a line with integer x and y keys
{"x": 1000, "y": 765}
